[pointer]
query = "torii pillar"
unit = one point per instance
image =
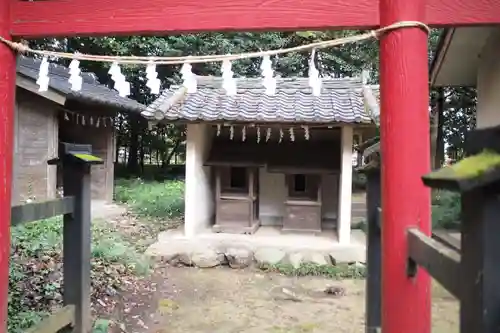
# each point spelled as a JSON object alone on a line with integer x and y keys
{"x": 405, "y": 150}
{"x": 7, "y": 91}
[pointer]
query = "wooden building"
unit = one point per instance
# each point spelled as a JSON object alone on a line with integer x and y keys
{"x": 469, "y": 57}
{"x": 43, "y": 119}
{"x": 282, "y": 160}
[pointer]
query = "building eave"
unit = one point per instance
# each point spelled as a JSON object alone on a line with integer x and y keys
{"x": 457, "y": 58}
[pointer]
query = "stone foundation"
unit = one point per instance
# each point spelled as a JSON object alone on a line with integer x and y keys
{"x": 191, "y": 253}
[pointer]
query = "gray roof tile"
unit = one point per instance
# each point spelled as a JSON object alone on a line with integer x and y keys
{"x": 92, "y": 91}
{"x": 341, "y": 100}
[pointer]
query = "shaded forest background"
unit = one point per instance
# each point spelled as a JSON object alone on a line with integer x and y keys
{"x": 452, "y": 115}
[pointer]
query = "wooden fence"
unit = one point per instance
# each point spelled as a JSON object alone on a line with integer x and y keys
{"x": 75, "y": 209}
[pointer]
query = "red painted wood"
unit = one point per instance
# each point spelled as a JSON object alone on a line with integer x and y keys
{"x": 7, "y": 89}
{"x": 406, "y": 156}
{"x": 160, "y": 16}
{"x": 110, "y": 17}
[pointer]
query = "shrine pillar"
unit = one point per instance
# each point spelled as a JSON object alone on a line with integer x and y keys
{"x": 7, "y": 91}
{"x": 345, "y": 185}
{"x": 404, "y": 88}
{"x": 198, "y": 194}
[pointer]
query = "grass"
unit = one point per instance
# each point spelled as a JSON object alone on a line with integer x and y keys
{"x": 157, "y": 200}
{"x": 35, "y": 277}
{"x": 445, "y": 210}
{"x": 35, "y": 280}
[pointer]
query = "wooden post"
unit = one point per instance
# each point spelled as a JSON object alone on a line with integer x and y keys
{"x": 373, "y": 252}
{"x": 76, "y": 243}
{"x": 405, "y": 150}
{"x": 7, "y": 93}
{"x": 480, "y": 248}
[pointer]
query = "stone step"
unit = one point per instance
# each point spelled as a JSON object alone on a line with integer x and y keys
{"x": 360, "y": 215}
{"x": 358, "y": 205}
{"x": 357, "y": 219}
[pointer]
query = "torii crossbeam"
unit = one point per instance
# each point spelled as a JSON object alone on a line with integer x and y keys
{"x": 404, "y": 97}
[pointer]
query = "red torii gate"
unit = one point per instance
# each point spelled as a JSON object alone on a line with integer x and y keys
{"x": 404, "y": 96}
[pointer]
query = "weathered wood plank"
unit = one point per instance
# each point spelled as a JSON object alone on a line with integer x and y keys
{"x": 442, "y": 262}
{"x": 480, "y": 293}
{"x": 41, "y": 210}
{"x": 448, "y": 240}
{"x": 55, "y": 322}
{"x": 76, "y": 243}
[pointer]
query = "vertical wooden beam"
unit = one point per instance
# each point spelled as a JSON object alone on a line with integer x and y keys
{"x": 480, "y": 261}
{"x": 405, "y": 150}
{"x": 7, "y": 90}
{"x": 76, "y": 244}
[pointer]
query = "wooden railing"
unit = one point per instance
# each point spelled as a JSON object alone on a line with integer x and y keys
{"x": 32, "y": 212}
{"x": 41, "y": 210}
{"x": 75, "y": 209}
{"x": 469, "y": 267}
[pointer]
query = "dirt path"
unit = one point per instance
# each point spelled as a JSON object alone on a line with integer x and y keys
{"x": 231, "y": 301}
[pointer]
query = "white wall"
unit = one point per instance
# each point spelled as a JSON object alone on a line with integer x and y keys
{"x": 330, "y": 195}
{"x": 199, "y": 197}
{"x": 488, "y": 83}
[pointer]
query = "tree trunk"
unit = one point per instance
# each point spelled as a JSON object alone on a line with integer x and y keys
{"x": 439, "y": 155}
{"x": 117, "y": 140}
{"x": 173, "y": 151}
{"x": 133, "y": 151}
{"x": 141, "y": 152}
{"x": 166, "y": 161}
{"x": 433, "y": 136}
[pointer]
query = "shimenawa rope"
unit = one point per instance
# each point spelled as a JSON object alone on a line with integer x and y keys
{"x": 144, "y": 60}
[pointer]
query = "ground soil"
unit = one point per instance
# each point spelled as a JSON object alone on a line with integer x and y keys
{"x": 223, "y": 300}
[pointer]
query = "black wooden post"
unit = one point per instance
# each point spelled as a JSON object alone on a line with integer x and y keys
{"x": 76, "y": 244}
{"x": 480, "y": 227}
{"x": 371, "y": 169}
{"x": 477, "y": 178}
{"x": 76, "y": 163}
{"x": 480, "y": 265}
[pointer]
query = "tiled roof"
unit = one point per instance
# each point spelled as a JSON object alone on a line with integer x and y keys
{"x": 92, "y": 91}
{"x": 341, "y": 100}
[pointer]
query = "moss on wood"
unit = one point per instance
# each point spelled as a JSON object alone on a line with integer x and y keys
{"x": 470, "y": 167}
{"x": 88, "y": 157}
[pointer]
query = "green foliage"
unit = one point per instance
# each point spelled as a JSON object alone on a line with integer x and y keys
{"x": 445, "y": 210}
{"x": 101, "y": 326}
{"x": 159, "y": 144}
{"x": 35, "y": 276}
{"x": 459, "y": 118}
{"x": 152, "y": 199}
{"x": 132, "y": 132}
{"x": 308, "y": 269}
